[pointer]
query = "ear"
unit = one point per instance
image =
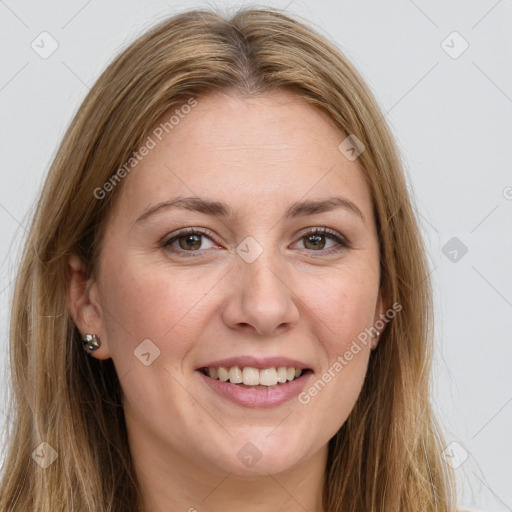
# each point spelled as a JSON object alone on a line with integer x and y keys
{"x": 84, "y": 306}
{"x": 380, "y": 317}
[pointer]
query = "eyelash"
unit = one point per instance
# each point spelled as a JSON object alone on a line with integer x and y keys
{"x": 342, "y": 242}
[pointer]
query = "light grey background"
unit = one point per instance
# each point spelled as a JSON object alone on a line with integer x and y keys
{"x": 451, "y": 117}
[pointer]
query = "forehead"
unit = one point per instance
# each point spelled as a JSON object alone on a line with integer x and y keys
{"x": 261, "y": 151}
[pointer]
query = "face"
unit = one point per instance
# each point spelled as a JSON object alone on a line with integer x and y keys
{"x": 247, "y": 276}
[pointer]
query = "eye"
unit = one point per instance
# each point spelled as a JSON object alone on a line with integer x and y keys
{"x": 192, "y": 240}
{"x": 315, "y": 240}
{"x": 188, "y": 240}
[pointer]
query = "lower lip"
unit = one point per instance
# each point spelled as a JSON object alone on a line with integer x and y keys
{"x": 257, "y": 398}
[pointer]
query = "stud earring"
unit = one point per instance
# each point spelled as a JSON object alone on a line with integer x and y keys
{"x": 91, "y": 342}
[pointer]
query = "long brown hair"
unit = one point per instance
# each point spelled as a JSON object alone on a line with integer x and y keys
{"x": 387, "y": 455}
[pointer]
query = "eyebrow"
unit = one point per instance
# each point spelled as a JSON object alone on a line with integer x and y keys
{"x": 221, "y": 209}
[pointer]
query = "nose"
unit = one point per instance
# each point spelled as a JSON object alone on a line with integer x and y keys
{"x": 261, "y": 298}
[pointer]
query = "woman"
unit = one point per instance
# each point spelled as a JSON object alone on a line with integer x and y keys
{"x": 226, "y": 230}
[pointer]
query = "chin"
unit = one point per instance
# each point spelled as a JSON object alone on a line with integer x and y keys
{"x": 259, "y": 455}
{"x": 279, "y": 463}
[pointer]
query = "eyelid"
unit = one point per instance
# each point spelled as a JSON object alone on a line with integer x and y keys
{"x": 190, "y": 230}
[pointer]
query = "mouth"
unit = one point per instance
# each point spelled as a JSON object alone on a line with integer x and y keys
{"x": 255, "y": 382}
{"x": 250, "y": 377}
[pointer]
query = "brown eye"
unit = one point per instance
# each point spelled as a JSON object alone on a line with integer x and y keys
{"x": 316, "y": 240}
{"x": 187, "y": 241}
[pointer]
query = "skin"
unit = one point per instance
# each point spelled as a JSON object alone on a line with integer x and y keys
{"x": 259, "y": 155}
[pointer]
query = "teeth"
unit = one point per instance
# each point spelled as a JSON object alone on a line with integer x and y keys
{"x": 235, "y": 375}
{"x": 281, "y": 374}
{"x": 253, "y": 377}
{"x": 268, "y": 377}
{"x": 223, "y": 374}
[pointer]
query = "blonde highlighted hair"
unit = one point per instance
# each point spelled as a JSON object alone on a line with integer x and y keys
{"x": 387, "y": 455}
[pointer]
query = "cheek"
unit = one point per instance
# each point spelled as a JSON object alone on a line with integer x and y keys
{"x": 342, "y": 315}
{"x": 143, "y": 301}
{"x": 343, "y": 306}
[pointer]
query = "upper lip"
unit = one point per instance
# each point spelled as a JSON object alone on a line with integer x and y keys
{"x": 256, "y": 362}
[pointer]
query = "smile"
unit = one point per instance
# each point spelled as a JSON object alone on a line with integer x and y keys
{"x": 252, "y": 387}
{"x": 254, "y": 377}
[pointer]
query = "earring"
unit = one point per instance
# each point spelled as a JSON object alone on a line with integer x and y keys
{"x": 91, "y": 342}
